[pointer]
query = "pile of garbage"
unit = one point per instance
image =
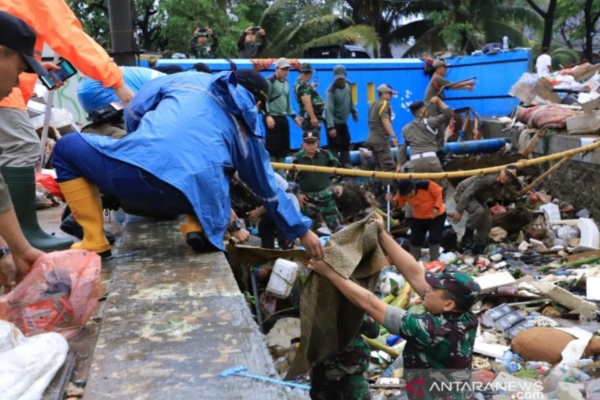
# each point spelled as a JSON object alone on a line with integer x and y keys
{"x": 568, "y": 99}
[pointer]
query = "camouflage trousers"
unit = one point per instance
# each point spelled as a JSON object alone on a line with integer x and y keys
{"x": 321, "y": 206}
{"x": 342, "y": 375}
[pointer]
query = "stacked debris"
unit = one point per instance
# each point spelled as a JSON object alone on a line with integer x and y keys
{"x": 568, "y": 99}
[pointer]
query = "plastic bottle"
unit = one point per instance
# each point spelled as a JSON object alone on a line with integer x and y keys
{"x": 505, "y": 43}
{"x": 506, "y": 358}
{"x": 579, "y": 375}
{"x": 536, "y": 364}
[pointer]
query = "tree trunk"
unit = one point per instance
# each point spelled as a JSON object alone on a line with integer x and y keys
{"x": 549, "y": 24}
{"x": 548, "y": 17}
{"x": 590, "y": 21}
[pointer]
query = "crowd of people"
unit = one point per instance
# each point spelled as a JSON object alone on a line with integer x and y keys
{"x": 130, "y": 158}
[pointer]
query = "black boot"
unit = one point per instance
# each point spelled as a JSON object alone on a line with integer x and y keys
{"x": 467, "y": 242}
{"x": 478, "y": 248}
{"x": 70, "y": 226}
{"x": 199, "y": 243}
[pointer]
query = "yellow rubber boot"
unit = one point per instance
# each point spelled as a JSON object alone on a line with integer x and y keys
{"x": 193, "y": 234}
{"x": 190, "y": 224}
{"x": 85, "y": 203}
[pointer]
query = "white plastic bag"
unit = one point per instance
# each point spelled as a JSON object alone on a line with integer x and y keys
{"x": 28, "y": 364}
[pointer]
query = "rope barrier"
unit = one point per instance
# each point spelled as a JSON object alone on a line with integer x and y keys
{"x": 434, "y": 175}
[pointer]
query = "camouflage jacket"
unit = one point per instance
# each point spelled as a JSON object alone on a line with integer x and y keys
{"x": 435, "y": 344}
{"x": 304, "y": 88}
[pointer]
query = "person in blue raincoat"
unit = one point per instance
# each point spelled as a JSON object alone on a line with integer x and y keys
{"x": 92, "y": 94}
{"x": 187, "y": 134}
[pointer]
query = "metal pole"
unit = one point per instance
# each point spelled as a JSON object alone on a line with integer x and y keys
{"x": 46, "y": 126}
{"x": 121, "y": 31}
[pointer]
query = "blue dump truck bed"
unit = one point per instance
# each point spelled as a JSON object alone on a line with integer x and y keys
{"x": 495, "y": 73}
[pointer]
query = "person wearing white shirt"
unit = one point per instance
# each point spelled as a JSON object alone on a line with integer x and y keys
{"x": 543, "y": 64}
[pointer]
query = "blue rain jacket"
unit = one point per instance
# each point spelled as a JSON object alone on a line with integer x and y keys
{"x": 92, "y": 94}
{"x": 194, "y": 131}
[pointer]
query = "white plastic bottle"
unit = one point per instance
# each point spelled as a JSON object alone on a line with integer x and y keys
{"x": 505, "y": 43}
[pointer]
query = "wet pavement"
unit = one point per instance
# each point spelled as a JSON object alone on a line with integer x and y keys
{"x": 172, "y": 321}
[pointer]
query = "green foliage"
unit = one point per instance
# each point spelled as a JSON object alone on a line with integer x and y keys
{"x": 295, "y": 26}
{"x": 466, "y": 25}
{"x": 563, "y": 56}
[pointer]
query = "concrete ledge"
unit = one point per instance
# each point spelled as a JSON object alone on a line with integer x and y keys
{"x": 173, "y": 321}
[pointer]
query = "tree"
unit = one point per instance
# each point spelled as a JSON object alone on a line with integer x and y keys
{"x": 463, "y": 25}
{"x": 578, "y": 24}
{"x": 294, "y": 26}
{"x": 548, "y": 18}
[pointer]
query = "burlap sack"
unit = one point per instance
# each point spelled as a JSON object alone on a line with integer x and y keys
{"x": 328, "y": 320}
{"x": 547, "y": 344}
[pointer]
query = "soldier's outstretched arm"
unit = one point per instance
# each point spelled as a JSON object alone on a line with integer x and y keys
{"x": 403, "y": 261}
{"x": 356, "y": 294}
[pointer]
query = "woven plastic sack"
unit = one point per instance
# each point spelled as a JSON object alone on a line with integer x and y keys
{"x": 58, "y": 295}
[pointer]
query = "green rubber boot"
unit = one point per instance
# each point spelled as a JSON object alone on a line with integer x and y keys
{"x": 21, "y": 185}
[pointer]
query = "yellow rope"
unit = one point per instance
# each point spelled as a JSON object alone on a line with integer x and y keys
{"x": 434, "y": 175}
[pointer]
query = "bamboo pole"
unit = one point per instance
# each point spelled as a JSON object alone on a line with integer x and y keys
{"x": 543, "y": 176}
{"x": 534, "y": 141}
{"x": 374, "y": 344}
{"x": 435, "y": 175}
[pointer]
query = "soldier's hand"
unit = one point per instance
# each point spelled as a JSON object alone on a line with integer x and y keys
{"x": 209, "y": 31}
{"x": 262, "y": 32}
{"x": 302, "y": 199}
{"x": 312, "y": 244}
{"x": 254, "y": 215}
{"x": 332, "y": 132}
{"x": 395, "y": 141}
{"x": 399, "y": 168}
{"x": 8, "y": 273}
{"x": 298, "y": 121}
{"x": 242, "y": 235}
{"x": 434, "y": 100}
{"x": 320, "y": 267}
{"x": 456, "y": 217}
{"x": 270, "y": 122}
{"x": 314, "y": 121}
{"x": 197, "y": 32}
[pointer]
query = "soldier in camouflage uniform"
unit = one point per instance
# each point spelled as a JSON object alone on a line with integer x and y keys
{"x": 310, "y": 102}
{"x": 200, "y": 46}
{"x": 315, "y": 196}
{"x": 439, "y": 344}
{"x": 472, "y": 196}
{"x": 341, "y": 376}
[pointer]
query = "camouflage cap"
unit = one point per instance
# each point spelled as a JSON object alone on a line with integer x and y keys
{"x": 306, "y": 67}
{"x": 459, "y": 284}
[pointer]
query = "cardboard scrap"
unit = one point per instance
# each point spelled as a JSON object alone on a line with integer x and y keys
{"x": 586, "y": 309}
{"x": 592, "y": 288}
{"x": 489, "y": 282}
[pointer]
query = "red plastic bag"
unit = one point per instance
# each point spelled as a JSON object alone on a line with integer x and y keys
{"x": 50, "y": 184}
{"x": 58, "y": 295}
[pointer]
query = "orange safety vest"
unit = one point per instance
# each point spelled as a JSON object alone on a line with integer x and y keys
{"x": 55, "y": 24}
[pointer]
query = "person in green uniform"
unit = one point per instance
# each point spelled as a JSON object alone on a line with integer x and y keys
{"x": 436, "y": 88}
{"x": 277, "y": 110}
{"x": 381, "y": 130}
{"x": 310, "y": 102}
{"x": 341, "y": 376}
{"x": 315, "y": 195}
{"x": 472, "y": 195}
{"x": 339, "y": 106}
{"x": 439, "y": 343}
{"x": 204, "y": 43}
